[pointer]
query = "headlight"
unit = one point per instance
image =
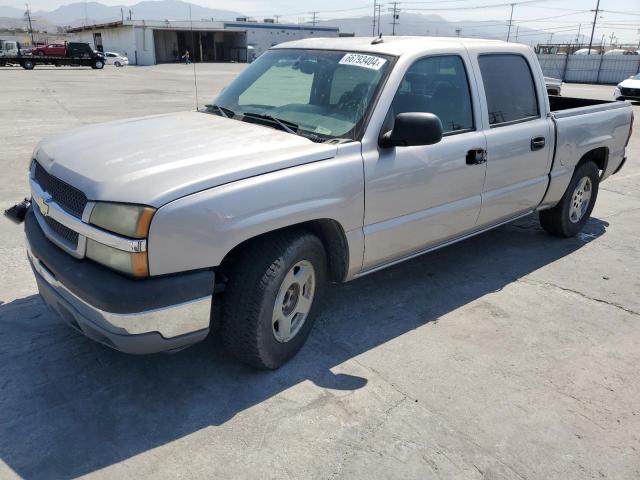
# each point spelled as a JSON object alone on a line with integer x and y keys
{"x": 616, "y": 92}
{"x": 128, "y": 220}
{"x": 134, "y": 264}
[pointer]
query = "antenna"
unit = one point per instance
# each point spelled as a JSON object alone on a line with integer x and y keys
{"x": 195, "y": 78}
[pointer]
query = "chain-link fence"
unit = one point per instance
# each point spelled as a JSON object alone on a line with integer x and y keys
{"x": 606, "y": 69}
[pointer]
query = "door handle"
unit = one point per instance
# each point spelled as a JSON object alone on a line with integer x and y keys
{"x": 476, "y": 156}
{"x": 537, "y": 143}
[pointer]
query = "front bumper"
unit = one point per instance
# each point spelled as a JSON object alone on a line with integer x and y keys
{"x": 133, "y": 316}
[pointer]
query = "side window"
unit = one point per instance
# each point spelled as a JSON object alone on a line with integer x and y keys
{"x": 437, "y": 85}
{"x": 508, "y": 84}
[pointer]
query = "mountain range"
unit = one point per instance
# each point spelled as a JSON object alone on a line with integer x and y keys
{"x": 409, "y": 23}
{"x": 78, "y": 13}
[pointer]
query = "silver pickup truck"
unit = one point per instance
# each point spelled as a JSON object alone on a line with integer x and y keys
{"x": 325, "y": 160}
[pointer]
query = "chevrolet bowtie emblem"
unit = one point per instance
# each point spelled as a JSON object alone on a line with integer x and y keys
{"x": 43, "y": 206}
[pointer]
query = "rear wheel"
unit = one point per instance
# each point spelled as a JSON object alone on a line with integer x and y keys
{"x": 570, "y": 215}
{"x": 40, "y": 54}
{"x": 27, "y": 64}
{"x": 271, "y": 298}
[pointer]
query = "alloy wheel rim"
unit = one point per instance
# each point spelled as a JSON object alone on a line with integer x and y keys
{"x": 293, "y": 301}
{"x": 580, "y": 200}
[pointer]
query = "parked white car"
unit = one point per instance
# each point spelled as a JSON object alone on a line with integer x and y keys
{"x": 585, "y": 51}
{"x": 621, "y": 51}
{"x": 554, "y": 85}
{"x": 628, "y": 89}
{"x": 116, "y": 59}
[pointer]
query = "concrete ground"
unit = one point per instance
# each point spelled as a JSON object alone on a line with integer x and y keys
{"x": 512, "y": 355}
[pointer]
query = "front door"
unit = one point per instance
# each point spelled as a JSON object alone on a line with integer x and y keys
{"x": 519, "y": 138}
{"x": 418, "y": 197}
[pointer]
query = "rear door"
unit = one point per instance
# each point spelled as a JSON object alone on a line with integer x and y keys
{"x": 519, "y": 136}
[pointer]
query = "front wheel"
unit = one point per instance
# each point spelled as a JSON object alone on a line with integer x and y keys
{"x": 27, "y": 65}
{"x": 98, "y": 65}
{"x": 271, "y": 298}
{"x": 571, "y": 214}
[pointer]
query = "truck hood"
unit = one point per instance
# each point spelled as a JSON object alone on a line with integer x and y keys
{"x": 154, "y": 160}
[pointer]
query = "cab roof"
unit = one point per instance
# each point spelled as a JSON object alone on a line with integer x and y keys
{"x": 390, "y": 45}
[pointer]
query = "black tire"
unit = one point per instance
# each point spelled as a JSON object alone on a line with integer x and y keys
{"x": 98, "y": 64}
{"x": 250, "y": 295}
{"x": 117, "y": 64}
{"x": 28, "y": 64}
{"x": 556, "y": 220}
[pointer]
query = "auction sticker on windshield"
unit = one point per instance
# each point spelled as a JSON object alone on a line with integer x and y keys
{"x": 365, "y": 61}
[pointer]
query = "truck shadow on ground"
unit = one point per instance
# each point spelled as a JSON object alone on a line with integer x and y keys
{"x": 69, "y": 406}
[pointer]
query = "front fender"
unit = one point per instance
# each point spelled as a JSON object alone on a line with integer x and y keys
{"x": 197, "y": 231}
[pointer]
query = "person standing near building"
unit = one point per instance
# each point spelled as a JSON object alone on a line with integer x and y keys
{"x": 186, "y": 57}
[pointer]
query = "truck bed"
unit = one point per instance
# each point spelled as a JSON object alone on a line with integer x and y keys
{"x": 566, "y": 106}
{"x": 585, "y": 124}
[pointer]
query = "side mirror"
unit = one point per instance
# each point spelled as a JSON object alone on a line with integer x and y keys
{"x": 412, "y": 129}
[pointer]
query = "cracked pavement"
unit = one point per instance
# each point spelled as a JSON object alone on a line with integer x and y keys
{"x": 512, "y": 355}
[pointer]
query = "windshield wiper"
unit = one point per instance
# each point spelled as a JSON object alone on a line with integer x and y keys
{"x": 287, "y": 126}
{"x": 225, "y": 112}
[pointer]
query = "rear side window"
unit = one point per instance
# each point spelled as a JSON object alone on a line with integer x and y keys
{"x": 508, "y": 84}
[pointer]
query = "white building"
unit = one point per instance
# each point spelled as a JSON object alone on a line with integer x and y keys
{"x": 147, "y": 42}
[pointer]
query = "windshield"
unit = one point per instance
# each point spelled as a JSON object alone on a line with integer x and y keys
{"x": 315, "y": 93}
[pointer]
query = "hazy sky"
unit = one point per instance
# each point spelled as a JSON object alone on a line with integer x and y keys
{"x": 561, "y": 16}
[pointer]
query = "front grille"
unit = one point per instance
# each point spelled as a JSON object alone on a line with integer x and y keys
{"x": 632, "y": 92}
{"x": 68, "y": 197}
{"x": 66, "y": 233}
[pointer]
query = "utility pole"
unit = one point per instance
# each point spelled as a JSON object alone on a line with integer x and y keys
{"x": 313, "y": 18}
{"x": 593, "y": 28}
{"x": 578, "y": 35}
{"x": 551, "y": 38}
{"x": 375, "y": 8}
{"x": 28, "y": 15}
{"x": 379, "y": 19}
{"x": 395, "y": 15}
{"x": 458, "y": 31}
{"x": 510, "y": 22}
{"x": 277, "y": 17}
{"x": 611, "y": 37}
{"x": 517, "y": 31}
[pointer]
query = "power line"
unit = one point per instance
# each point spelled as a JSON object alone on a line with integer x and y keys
{"x": 475, "y": 7}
